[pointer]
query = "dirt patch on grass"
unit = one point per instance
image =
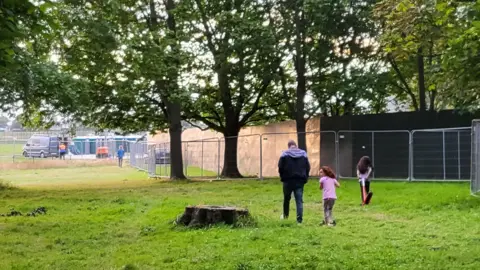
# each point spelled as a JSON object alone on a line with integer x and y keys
{"x": 48, "y": 164}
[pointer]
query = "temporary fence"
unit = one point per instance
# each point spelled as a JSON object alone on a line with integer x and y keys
{"x": 388, "y": 150}
{"x": 139, "y": 155}
{"x": 25, "y": 135}
{"x": 419, "y": 155}
{"x": 441, "y": 154}
{"x": 205, "y": 158}
{"x": 475, "y": 151}
{"x": 13, "y": 150}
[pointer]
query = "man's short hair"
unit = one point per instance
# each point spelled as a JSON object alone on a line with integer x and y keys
{"x": 291, "y": 143}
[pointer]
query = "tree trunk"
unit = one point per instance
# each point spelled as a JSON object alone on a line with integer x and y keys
{"x": 206, "y": 215}
{"x": 301, "y": 135}
{"x": 433, "y": 95}
{"x": 300, "y": 68}
{"x": 300, "y": 110}
{"x": 230, "y": 163}
{"x": 176, "y": 159}
{"x": 173, "y": 107}
{"x": 421, "y": 80}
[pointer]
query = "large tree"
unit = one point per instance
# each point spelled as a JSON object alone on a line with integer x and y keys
{"x": 414, "y": 41}
{"x": 460, "y": 61}
{"x": 130, "y": 54}
{"x": 327, "y": 56}
{"x": 29, "y": 82}
{"x": 234, "y": 70}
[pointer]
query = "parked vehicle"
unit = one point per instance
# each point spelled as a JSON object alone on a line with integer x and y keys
{"x": 42, "y": 146}
{"x": 162, "y": 156}
{"x": 102, "y": 152}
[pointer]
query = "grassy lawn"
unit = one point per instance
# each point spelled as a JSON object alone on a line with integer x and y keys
{"x": 10, "y": 149}
{"x": 190, "y": 171}
{"x": 73, "y": 177}
{"x": 110, "y": 218}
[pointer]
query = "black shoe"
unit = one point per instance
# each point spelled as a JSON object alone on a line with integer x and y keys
{"x": 369, "y": 197}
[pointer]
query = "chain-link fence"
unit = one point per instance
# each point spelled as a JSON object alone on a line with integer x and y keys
{"x": 475, "y": 171}
{"x": 441, "y": 154}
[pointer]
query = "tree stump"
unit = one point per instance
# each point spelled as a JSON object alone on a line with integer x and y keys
{"x": 205, "y": 215}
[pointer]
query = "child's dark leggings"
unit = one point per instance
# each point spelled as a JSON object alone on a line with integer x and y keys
{"x": 367, "y": 189}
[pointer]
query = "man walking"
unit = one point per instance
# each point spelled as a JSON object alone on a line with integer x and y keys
{"x": 294, "y": 170}
{"x": 120, "y": 154}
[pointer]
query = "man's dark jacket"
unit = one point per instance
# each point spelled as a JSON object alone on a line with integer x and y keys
{"x": 293, "y": 166}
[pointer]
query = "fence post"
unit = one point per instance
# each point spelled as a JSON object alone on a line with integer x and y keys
{"x": 319, "y": 150}
{"x": 458, "y": 154}
{"x": 373, "y": 153}
{"x": 168, "y": 172}
{"x": 218, "y": 159}
{"x": 410, "y": 156}
{"x": 186, "y": 165}
{"x": 443, "y": 146}
{"x": 201, "y": 169}
{"x": 337, "y": 152}
{"x": 261, "y": 157}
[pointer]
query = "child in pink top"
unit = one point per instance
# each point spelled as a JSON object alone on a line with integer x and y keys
{"x": 328, "y": 183}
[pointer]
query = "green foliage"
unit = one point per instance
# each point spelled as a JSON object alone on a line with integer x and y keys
{"x": 28, "y": 80}
{"x": 336, "y": 43}
{"x": 461, "y": 58}
{"x": 235, "y": 66}
{"x": 432, "y": 30}
{"x": 140, "y": 66}
{"x": 124, "y": 58}
{"x": 86, "y": 222}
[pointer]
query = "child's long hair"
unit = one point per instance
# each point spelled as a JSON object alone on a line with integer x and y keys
{"x": 363, "y": 164}
{"x": 328, "y": 172}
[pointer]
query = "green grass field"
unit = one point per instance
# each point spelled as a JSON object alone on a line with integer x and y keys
{"x": 111, "y": 218}
{"x": 10, "y": 149}
{"x": 190, "y": 171}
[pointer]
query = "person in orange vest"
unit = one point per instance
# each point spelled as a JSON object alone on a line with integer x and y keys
{"x": 63, "y": 151}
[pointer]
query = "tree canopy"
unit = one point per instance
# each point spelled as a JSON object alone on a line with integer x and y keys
{"x": 149, "y": 65}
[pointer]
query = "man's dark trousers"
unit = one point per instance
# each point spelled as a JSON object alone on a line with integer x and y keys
{"x": 297, "y": 190}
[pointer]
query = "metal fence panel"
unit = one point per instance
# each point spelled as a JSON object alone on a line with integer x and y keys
{"x": 248, "y": 154}
{"x": 388, "y": 150}
{"x": 139, "y": 155}
{"x": 201, "y": 158}
{"x": 475, "y": 154}
{"x": 441, "y": 154}
{"x": 329, "y": 149}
